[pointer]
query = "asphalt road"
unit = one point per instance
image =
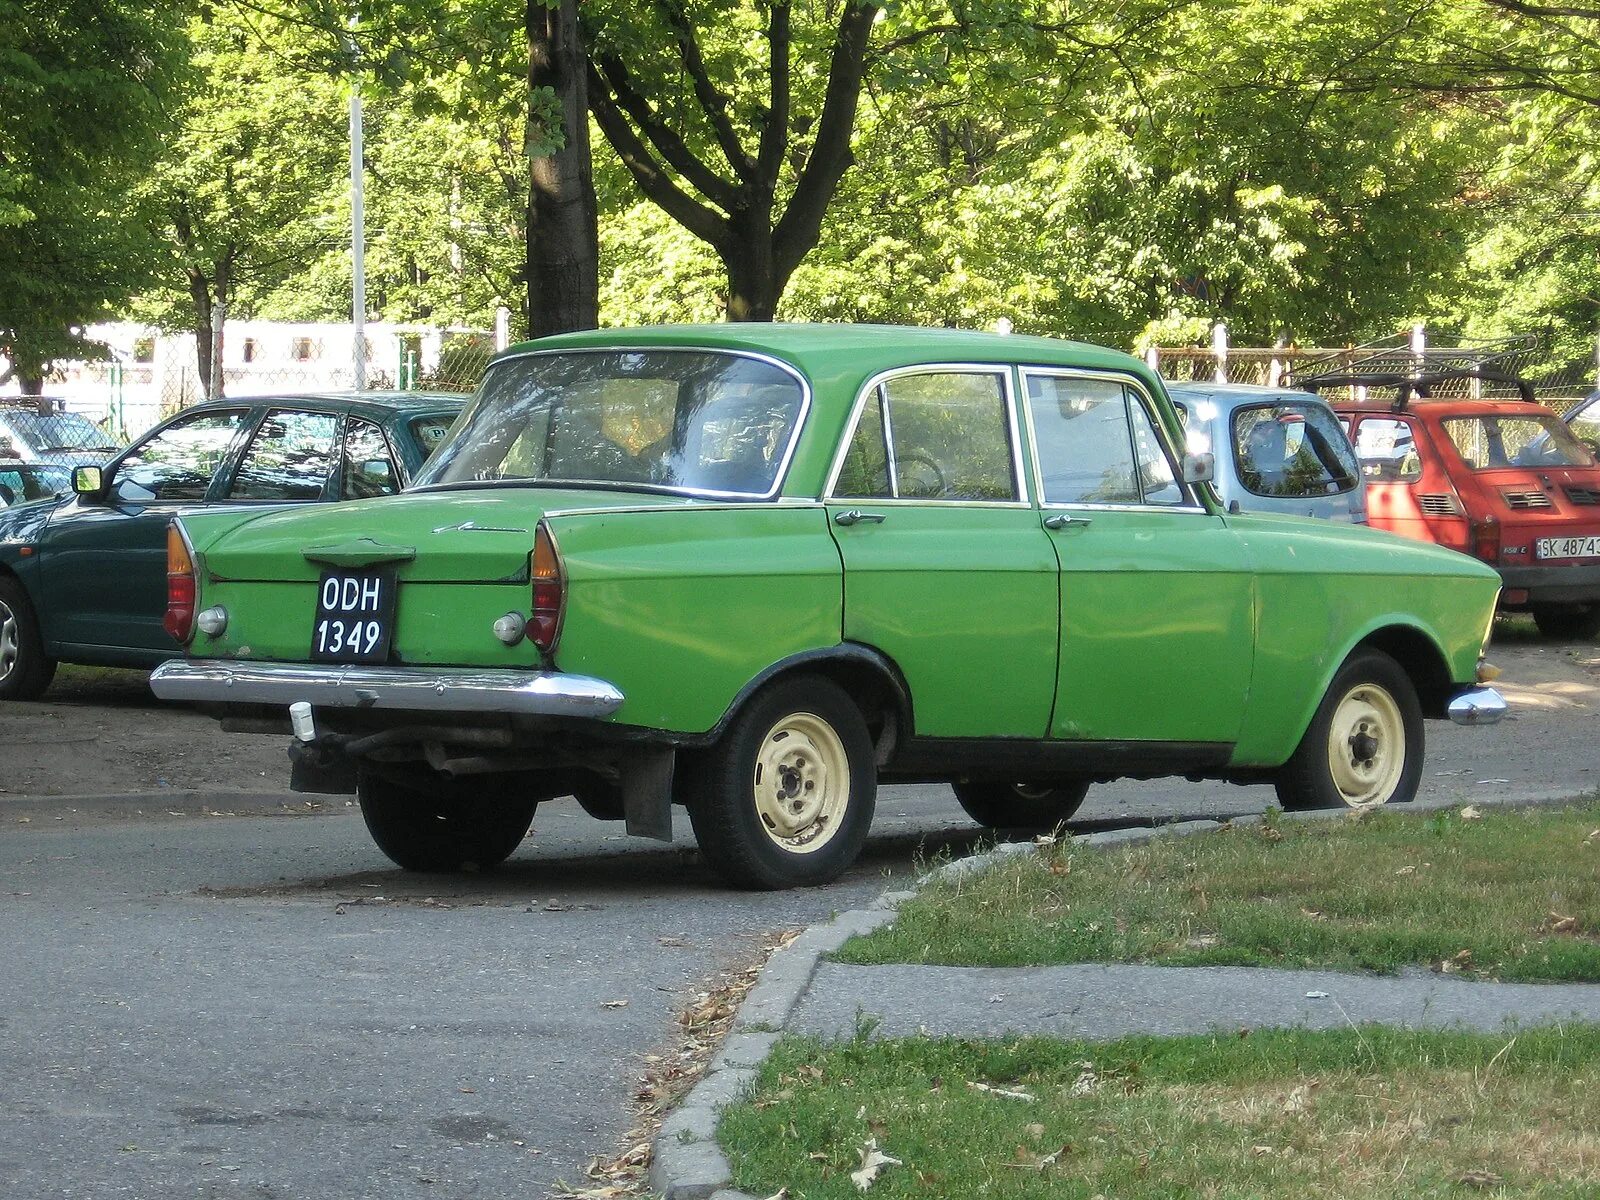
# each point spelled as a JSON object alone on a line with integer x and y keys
{"x": 259, "y": 1006}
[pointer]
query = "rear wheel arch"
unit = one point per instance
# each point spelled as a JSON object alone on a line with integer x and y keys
{"x": 870, "y": 678}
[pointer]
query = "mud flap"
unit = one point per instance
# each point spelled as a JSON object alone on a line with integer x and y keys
{"x": 646, "y": 777}
{"x": 315, "y": 770}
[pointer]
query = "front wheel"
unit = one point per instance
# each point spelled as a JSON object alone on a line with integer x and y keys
{"x": 785, "y": 797}
{"x": 1364, "y": 746}
{"x": 1565, "y": 624}
{"x": 1034, "y": 808}
{"x": 444, "y": 824}
{"x": 25, "y": 669}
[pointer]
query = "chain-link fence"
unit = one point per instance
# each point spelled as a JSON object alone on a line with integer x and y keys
{"x": 149, "y": 375}
{"x": 1557, "y": 383}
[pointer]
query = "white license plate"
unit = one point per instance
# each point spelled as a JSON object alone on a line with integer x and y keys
{"x": 1567, "y": 547}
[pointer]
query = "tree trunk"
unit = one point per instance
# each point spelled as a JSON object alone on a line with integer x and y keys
{"x": 563, "y": 272}
{"x": 754, "y": 288}
{"x": 200, "y": 293}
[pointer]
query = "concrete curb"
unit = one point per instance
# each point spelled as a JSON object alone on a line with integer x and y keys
{"x": 687, "y": 1163}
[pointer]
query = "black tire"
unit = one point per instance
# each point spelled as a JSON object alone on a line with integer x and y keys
{"x": 812, "y": 748}
{"x": 1019, "y": 806}
{"x": 1383, "y": 720}
{"x": 1568, "y": 624}
{"x": 601, "y": 800}
{"x": 444, "y": 824}
{"x": 25, "y": 669}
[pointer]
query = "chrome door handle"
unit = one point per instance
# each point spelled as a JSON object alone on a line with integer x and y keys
{"x": 1062, "y": 520}
{"x": 854, "y": 516}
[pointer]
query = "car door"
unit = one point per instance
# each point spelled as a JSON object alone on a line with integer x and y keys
{"x": 103, "y": 562}
{"x": 1408, "y": 491}
{"x": 946, "y": 569}
{"x": 1157, "y": 599}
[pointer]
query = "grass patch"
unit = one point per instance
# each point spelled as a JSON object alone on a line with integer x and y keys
{"x": 1513, "y": 895}
{"x": 1272, "y": 1115}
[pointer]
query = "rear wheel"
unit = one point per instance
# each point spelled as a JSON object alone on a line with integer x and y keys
{"x": 25, "y": 669}
{"x": 444, "y": 824}
{"x": 1036, "y": 808}
{"x": 1577, "y": 621}
{"x": 785, "y": 797}
{"x": 1364, "y": 746}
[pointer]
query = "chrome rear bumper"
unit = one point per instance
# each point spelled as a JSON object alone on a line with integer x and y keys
{"x": 1477, "y": 706}
{"x": 420, "y": 689}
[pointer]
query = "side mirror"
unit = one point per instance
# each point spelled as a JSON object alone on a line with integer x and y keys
{"x": 1199, "y": 468}
{"x": 88, "y": 482}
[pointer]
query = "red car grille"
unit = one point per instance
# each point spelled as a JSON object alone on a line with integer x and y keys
{"x": 1525, "y": 500}
{"x": 1438, "y": 504}
{"x": 1583, "y": 495}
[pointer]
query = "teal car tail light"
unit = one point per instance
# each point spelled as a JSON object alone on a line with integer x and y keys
{"x": 179, "y": 621}
{"x": 549, "y": 590}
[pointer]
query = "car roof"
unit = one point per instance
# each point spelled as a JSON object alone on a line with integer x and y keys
{"x": 831, "y": 351}
{"x": 1448, "y": 406}
{"x": 370, "y": 402}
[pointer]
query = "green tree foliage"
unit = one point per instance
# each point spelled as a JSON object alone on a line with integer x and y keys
{"x": 82, "y": 83}
{"x": 250, "y": 155}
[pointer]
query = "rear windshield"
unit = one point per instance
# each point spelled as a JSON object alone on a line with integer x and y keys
{"x": 58, "y": 431}
{"x": 1293, "y": 450}
{"x": 1488, "y": 442}
{"x": 677, "y": 420}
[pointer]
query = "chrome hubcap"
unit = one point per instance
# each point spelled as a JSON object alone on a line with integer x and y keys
{"x": 801, "y": 783}
{"x": 1366, "y": 746}
{"x": 8, "y": 641}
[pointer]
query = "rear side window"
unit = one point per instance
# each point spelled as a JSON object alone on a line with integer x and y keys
{"x": 1387, "y": 448}
{"x": 1486, "y": 443}
{"x": 942, "y": 435}
{"x": 289, "y": 458}
{"x": 1292, "y": 450}
{"x": 368, "y": 468}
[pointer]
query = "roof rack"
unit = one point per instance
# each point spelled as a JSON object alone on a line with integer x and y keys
{"x": 1414, "y": 383}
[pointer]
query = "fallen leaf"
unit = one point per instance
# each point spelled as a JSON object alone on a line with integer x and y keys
{"x": 1470, "y": 812}
{"x": 873, "y": 1161}
{"x": 781, "y": 1194}
{"x": 613, "y": 1004}
{"x": 1003, "y": 1093}
{"x": 1270, "y": 833}
{"x": 1460, "y": 961}
{"x": 672, "y": 941}
{"x": 1261, "y": 1151}
{"x": 1299, "y": 1100}
{"x": 1594, "y": 836}
{"x": 1406, "y": 871}
{"x": 1557, "y": 923}
{"x": 1034, "y": 1131}
{"x": 1086, "y": 1082}
{"x": 1480, "y": 1179}
{"x": 1315, "y": 995}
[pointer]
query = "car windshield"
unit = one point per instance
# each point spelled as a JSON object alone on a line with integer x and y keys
{"x": 58, "y": 431}
{"x": 682, "y": 420}
{"x": 1488, "y": 443}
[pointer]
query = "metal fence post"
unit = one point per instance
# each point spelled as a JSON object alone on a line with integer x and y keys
{"x": 219, "y": 321}
{"x": 502, "y": 328}
{"x": 1152, "y": 358}
{"x": 1219, "y": 350}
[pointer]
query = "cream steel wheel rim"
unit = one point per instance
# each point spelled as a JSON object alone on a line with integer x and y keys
{"x": 1366, "y": 746}
{"x": 802, "y": 783}
{"x": 8, "y": 642}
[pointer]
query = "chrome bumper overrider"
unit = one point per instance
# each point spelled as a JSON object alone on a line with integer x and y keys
{"x": 441, "y": 689}
{"x": 1477, "y": 706}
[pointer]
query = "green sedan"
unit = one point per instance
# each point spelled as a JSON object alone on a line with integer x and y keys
{"x": 756, "y": 570}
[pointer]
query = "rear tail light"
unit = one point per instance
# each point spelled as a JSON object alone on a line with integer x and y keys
{"x": 549, "y": 590}
{"x": 179, "y": 621}
{"x": 1485, "y": 539}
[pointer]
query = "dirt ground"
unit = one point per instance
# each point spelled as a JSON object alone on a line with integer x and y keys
{"x": 100, "y": 732}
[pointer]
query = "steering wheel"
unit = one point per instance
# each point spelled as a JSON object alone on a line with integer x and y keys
{"x": 927, "y": 479}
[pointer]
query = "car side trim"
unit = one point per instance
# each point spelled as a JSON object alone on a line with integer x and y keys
{"x": 417, "y": 689}
{"x": 1029, "y": 759}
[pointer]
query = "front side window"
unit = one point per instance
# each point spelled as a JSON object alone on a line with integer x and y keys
{"x": 1585, "y": 424}
{"x": 1290, "y": 449}
{"x": 178, "y": 462}
{"x": 289, "y": 457}
{"x": 684, "y": 420}
{"x": 1486, "y": 443}
{"x": 1387, "y": 448}
{"x": 368, "y": 468}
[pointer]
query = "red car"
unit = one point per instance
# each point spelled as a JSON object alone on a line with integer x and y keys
{"x": 1503, "y": 480}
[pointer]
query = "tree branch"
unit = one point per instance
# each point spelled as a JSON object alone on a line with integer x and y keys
{"x": 712, "y": 101}
{"x": 706, "y": 224}
{"x": 672, "y": 149}
{"x": 797, "y": 231}
{"x": 775, "y": 133}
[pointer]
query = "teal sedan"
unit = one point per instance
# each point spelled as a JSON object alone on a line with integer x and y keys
{"x": 83, "y": 578}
